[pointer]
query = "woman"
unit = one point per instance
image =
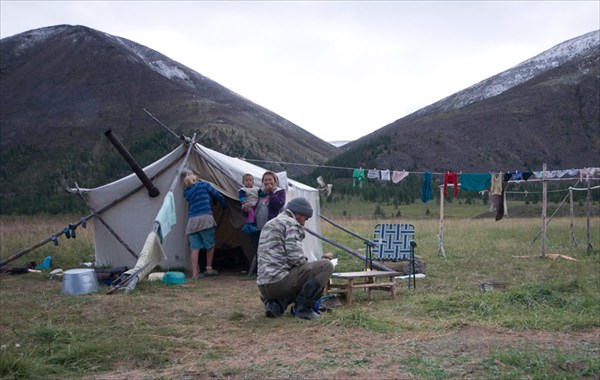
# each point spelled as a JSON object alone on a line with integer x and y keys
{"x": 272, "y": 200}
{"x": 267, "y": 208}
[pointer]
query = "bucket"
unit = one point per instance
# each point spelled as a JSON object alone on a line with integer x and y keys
{"x": 173, "y": 278}
{"x": 80, "y": 281}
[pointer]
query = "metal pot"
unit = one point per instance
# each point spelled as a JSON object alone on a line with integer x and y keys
{"x": 80, "y": 281}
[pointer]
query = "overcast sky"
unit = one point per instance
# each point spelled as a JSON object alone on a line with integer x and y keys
{"x": 338, "y": 69}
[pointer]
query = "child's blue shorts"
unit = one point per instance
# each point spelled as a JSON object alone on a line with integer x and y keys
{"x": 202, "y": 239}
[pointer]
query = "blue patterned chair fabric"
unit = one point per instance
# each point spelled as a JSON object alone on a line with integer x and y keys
{"x": 392, "y": 241}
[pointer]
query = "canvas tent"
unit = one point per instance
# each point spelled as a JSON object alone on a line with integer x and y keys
{"x": 131, "y": 213}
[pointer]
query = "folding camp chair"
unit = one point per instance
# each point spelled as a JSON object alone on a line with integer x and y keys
{"x": 395, "y": 242}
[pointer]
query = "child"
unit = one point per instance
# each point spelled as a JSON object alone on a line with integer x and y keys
{"x": 201, "y": 224}
{"x": 249, "y": 195}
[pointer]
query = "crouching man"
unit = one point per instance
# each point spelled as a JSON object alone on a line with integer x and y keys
{"x": 285, "y": 275}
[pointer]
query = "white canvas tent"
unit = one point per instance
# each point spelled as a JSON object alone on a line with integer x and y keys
{"x": 134, "y": 212}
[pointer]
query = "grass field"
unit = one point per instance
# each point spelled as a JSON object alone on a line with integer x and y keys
{"x": 545, "y": 325}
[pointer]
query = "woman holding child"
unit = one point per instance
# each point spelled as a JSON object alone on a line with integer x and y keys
{"x": 270, "y": 202}
{"x": 273, "y": 199}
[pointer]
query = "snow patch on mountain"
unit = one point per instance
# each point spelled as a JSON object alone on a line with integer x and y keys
{"x": 493, "y": 86}
{"x": 35, "y": 37}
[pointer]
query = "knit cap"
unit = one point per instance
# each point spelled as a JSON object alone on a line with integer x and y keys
{"x": 300, "y": 206}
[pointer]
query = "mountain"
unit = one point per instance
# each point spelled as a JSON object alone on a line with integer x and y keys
{"x": 64, "y": 86}
{"x": 546, "y": 109}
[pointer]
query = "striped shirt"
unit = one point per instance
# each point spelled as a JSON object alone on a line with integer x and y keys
{"x": 199, "y": 197}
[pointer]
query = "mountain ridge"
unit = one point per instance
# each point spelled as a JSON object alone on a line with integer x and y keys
{"x": 63, "y": 86}
{"x": 545, "y": 99}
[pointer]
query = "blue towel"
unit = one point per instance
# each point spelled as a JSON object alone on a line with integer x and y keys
{"x": 166, "y": 216}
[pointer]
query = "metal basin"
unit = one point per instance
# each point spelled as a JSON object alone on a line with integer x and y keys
{"x": 80, "y": 281}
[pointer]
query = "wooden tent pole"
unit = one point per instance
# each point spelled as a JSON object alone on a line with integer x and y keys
{"x": 353, "y": 253}
{"x": 544, "y": 206}
{"x": 183, "y": 163}
{"x": 440, "y": 235}
{"x": 346, "y": 230}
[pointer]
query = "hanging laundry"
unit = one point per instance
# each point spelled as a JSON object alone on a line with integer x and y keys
{"x": 519, "y": 176}
{"x": 358, "y": 176}
{"x": 427, "y": 193}
{"x": 496, "y": 192}
{"x": 398, "y": 176}
{"x": 526, "y": 175}
{"x": 450, "y": 177}
{"x": 373, "y": 174}
{"x": 475, "y": 181}
{"x": 385, "y": 175}
{"x": 324, "y": 188}
{"x": 586, "y": 173}
{"x": 502, "y": 210}
{"x": 572, "y": 172}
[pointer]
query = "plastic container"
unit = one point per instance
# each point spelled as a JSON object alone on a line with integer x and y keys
{"x": 174, "y": 278}
{"x": 80, "y": 281}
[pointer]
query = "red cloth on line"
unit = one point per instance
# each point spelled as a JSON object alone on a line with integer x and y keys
{"x": 450, "y": 177}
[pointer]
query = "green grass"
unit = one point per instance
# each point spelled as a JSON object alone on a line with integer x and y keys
{"x": 545, "y": 325}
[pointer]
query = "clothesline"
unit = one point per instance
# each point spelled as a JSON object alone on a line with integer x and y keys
{"x": 550, "y": 174}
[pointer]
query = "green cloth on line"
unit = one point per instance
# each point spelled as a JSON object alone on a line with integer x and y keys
{"x": 475, "y": 181}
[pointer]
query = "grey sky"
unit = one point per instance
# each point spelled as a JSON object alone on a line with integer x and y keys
{"x": 339, "y": 69}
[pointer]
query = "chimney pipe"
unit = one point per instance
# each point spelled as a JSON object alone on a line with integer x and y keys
{"x": 152, "y": 190}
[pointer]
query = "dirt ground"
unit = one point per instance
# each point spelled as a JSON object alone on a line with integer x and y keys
{"x": 255, "y": 347}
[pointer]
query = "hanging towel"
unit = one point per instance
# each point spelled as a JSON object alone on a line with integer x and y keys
{"x": 475, "y": 181}
{"x": 398, "y": 176}
{"x": 373, "y": 174}
{"x": 166, "y": 216}
{"x": 450, "y": 177}
{"x": 385, "y": 175}
{"x": 427, "y": 194}
{"x": 358, "y": 176}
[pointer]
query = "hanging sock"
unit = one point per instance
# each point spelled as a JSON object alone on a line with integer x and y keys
{"x": 83, "y": 222}
{"x": 72, "y": 229}
{"x": 67, "y": 232}
{"x": 54, "y": 239}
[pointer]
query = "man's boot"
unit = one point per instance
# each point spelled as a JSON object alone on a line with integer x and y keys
{"x": 275, "y": 308}
{"x": 307, "y": 299}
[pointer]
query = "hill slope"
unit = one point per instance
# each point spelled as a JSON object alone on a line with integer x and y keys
{"x": 63, "y": 86}
{"x": 544, "y": 110}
